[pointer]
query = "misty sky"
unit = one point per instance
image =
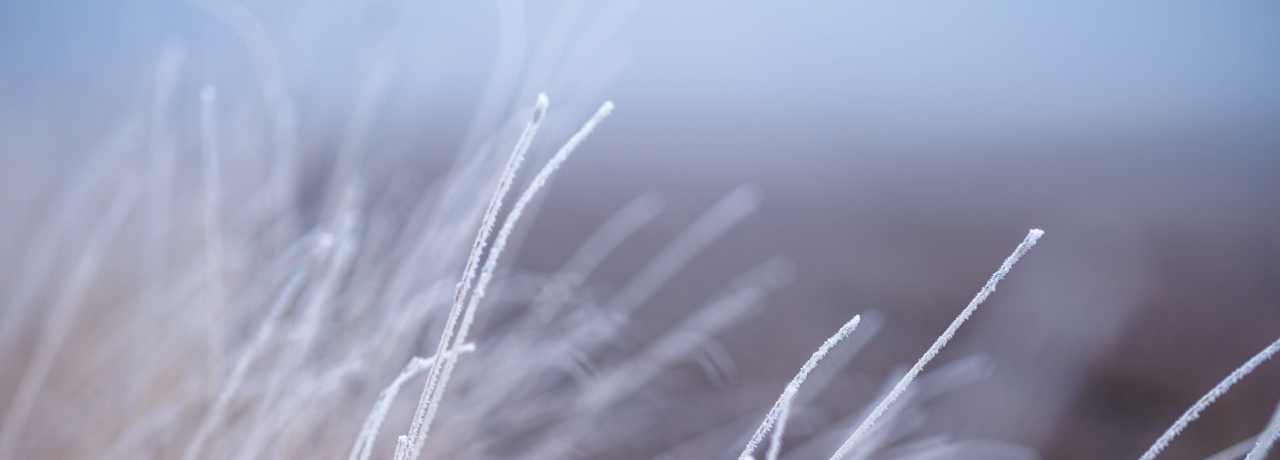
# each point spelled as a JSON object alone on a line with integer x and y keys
{"x": 893, "y": 66}
{"x": 984, "y": 65}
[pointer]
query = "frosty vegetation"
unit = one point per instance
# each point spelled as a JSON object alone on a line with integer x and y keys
{"x": 198, "y": 309}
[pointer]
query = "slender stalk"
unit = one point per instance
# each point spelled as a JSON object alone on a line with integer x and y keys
{"x": 491, "y": 262}
{"x": 418, "y": 428}
{"x": 1267, "y": 438}
{"x": 265, "y": 331}
{"x": 982, "y": 295}
{"x": 783, "y": 404}
{"x": 363, "y": 447}
{"x": 1193, "y": 412}
{"x": 212, "y": 223}
{"x": 62, "y": 316}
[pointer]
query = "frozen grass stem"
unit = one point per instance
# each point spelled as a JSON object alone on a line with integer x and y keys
{"x": 783, "y": 404}
{"x": 982, "y": 295}
{"x": 214, "y": 416}
{"x": 1237, "y": 451}
{"x": 722, "y": 216}
{"x": 1267, "y": 438}
{"x": 214, "y": 266}
{"x": 363, "y": 447}
{"x": 1194, "y": 412}
{"x": 500, "y": 243}
{"x": 418, "y": 428}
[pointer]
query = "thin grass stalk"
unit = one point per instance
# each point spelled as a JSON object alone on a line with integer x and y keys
{"x": 417, "y": 428}
{"x": 213, "y": 418}
{"x": 942, "y": 340}
{"x": 347, "y": 163}
{"x": 783, "y": 403}
{"x": 363, "y": 447}
{"x": 1236, "y": 451}
{"x": 61, "y": 318}
{"x": 42, "y": 252}
{"x": 1267, "y": 438}
{"x": 499, "y": 244}
{"x": 775, "y": 438}
{"x": 278, "y": 399}
{"x": 749, "y": 290}
{"x": 1193, "y": 412}
{"x": 160, "y": 171}
{"x": 816, "y": 383}
{"x": 214, "y": 265}
{"x": 722, "y": 216}
{"x": 549, "y": 300}
{"x": 277, "y": 204}
{"x": 165, "y": 415}
{"x": 507, "y": 67}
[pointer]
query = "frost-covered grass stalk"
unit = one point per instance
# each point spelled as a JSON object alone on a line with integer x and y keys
{"x": 1194, "y": 411}
{"x": 946, "y": 336}
{"x": 372, "y": 424}
{"x": 782, "y": 407}
{"x": 268, "y": 327}
{"x": 1267, "y": 438}
{"x": 420, "y": 427}
{"x": 486, "y": 275}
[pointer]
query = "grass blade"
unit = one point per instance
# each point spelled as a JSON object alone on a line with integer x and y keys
{"x": 982, "y": 295}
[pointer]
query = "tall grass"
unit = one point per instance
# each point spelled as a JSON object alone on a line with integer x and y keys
{"x": 276, "y": 304}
